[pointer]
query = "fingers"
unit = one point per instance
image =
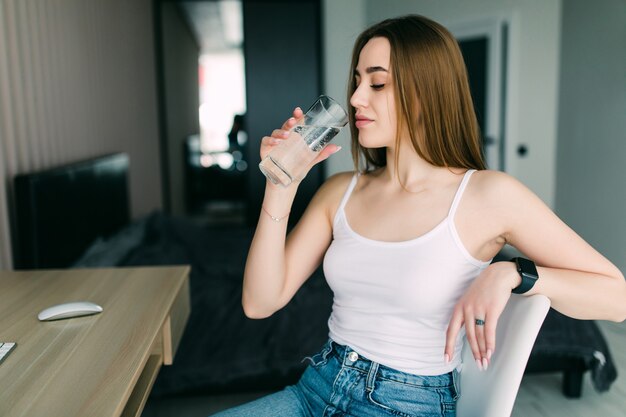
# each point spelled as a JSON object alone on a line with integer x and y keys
{"x": 280, "y": 134}
{"x": 291, "y": 122}
{"x": 277, "y": 136}
{"x": 480, "y": 308}
{"x": 481, "y": 341}
{"x": 326, "y": 152}
{"x": 298, "y": 113}
{"x": 485, "y": 339}
{"x": 453, "y": 330}
{"x": 481, "y": 338}
{"x": 470, "y": 333}
{"x": 284, "y": 131}
{"x": 491, "y": 323}
{"x": 270, "y": 141}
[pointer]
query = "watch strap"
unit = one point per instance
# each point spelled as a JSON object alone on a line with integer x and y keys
{"x": 528, "y": 272}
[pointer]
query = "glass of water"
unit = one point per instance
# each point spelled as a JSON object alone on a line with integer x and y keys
{"x": 291, "y": 158}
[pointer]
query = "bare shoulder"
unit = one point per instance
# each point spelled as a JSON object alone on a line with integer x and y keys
{"x": 490, "y": 180}
{"x": 331, "y": 192}
{"x": 336, "y": 184}
{"x": 502, "y": 203}
{"x": 339, "y": 180}
{"x": 513, "y": 210}
{"x": 497, "y": 186}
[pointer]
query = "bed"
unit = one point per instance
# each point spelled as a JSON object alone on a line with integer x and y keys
{"x": 221, "y": 350}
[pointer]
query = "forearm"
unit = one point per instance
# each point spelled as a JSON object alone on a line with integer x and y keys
{"x": 265, "y": 272}
{"x": 583, "y": 295}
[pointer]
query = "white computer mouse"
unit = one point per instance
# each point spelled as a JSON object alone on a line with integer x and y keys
{"x": 69, "y": 310}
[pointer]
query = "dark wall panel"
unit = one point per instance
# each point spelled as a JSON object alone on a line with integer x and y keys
{"x": 282, "y": 49}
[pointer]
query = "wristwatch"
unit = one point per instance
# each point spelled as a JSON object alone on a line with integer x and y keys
{"x": 528, "y": 272}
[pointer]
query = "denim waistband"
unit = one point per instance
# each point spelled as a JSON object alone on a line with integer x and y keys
{"x": 352, "y": 359}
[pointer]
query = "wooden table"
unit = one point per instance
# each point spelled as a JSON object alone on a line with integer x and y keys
{"x": 102, "y": 365}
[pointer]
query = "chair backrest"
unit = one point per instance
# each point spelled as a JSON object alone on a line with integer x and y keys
{"x": 492, "y": 393}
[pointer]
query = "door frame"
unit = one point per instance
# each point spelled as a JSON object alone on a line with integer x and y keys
{"x": 496, "y": 31}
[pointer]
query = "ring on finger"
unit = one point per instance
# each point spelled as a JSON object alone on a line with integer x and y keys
{"x": 479, "y": 322}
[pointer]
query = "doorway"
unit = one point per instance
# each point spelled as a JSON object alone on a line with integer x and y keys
{"x": 235, "y": 54}
{"x": 202, "y": 105}
{"x": 484, "y": 48}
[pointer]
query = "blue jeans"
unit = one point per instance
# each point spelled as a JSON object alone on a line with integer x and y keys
{"x": 339, "y": 382}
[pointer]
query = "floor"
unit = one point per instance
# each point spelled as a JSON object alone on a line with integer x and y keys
{"x": 539, "y": 395}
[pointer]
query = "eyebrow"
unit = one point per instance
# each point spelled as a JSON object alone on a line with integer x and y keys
{"x": 371, "y": 70}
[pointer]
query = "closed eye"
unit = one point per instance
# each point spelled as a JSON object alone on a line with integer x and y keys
{"x": 377, "y": 86}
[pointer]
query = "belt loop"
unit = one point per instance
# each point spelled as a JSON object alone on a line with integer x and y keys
{"x": 371, "y": 376}
{"x": 327, "y": 350}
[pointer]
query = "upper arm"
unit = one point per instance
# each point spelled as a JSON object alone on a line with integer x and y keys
{"x": 535, "y": 230}
{"x": 307, "y": 243}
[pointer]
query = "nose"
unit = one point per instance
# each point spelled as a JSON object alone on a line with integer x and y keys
{"x": 358, "y": 98}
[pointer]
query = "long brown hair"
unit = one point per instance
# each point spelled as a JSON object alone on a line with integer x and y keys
{"x": 429, "y": 75}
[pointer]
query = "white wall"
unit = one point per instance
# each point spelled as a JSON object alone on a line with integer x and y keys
{"x": 342, "y": 22}
{"x": 534, "y": 31}
{"x": 591, "y": 169}
{"x": 77, "y": 80}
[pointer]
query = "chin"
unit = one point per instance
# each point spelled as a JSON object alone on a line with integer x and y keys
{"x": 370, "y": 142}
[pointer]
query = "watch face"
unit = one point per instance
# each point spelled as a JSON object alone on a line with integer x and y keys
{"x": 528, "y": 272}
{"x": 527, "y": 267}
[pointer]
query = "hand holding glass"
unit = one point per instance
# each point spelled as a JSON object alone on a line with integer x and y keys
{"x": 290, "y": 159}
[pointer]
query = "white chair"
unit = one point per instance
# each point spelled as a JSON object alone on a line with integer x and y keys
{"x": 492, "y": 393}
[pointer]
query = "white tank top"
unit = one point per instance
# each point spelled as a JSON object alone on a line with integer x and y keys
{"x": 393, "y": 300}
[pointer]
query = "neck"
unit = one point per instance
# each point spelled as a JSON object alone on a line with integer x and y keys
{"x": 412, "y": 172}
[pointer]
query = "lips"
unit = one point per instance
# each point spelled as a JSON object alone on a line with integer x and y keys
{"x": 362, "y": 121}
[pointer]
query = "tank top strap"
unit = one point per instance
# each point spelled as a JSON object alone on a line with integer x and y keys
{"x": 459, "y": 193}
{"x": 348, "y": 192}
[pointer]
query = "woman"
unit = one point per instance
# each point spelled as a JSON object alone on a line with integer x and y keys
{"x": 407, "y": 241}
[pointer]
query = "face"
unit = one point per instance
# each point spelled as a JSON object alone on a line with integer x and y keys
{"x": 373, "y": 98}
